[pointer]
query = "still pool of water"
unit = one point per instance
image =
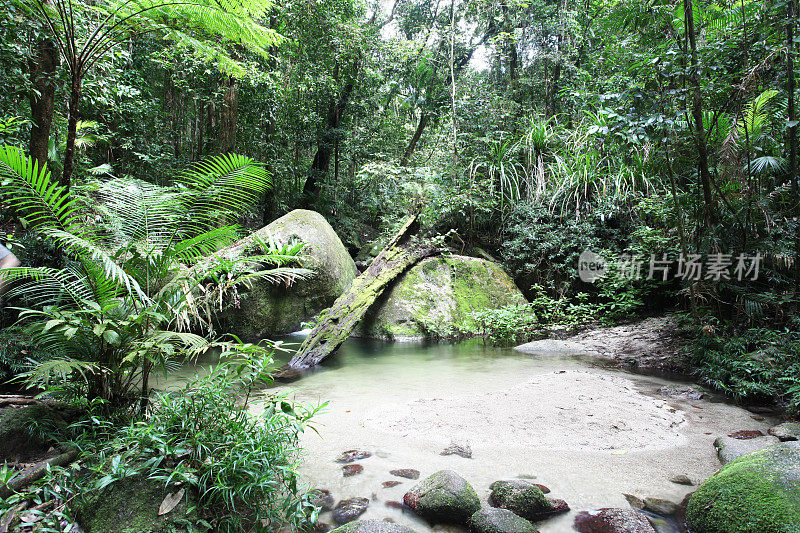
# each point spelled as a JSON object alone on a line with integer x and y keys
{"x": 589, "y": 434}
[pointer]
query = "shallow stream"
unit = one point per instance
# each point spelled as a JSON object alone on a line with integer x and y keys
{"x": 589, "y": 434}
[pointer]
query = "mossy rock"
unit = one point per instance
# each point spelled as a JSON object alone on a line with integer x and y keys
{"x": 131, "y": 506}
{"x": 443, "y": 497}
{"x": 268, "y": 310}
{"x": 522, "y": 498}
{"x": 759, "y": 491}
{"x": 491, "y": 520}
{"x": 435, "y": 299}
{"x": 24, "y": 431}
{"x": 372, "y": 526}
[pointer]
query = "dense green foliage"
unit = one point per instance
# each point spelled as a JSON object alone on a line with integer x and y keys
{"x": 237, "y": 471}
{"x": 529, "y": 131}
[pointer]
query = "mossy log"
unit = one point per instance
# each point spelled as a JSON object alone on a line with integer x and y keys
{"x": 337, "y": 322}
{"x": 36, "y": 472}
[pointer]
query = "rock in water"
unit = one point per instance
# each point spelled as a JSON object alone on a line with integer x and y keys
{"x": 443, "y": 497}
{"x": 462, "y": 450}
{"x": 321, "y": 498}
{"x": 613, "y": 521}
{"x": 372, "y": 526}
{"x": 682, "y": 479}
{"x": 353, "y": 455}
{"x": 408, "y": 473}
{"x": 786, "y": 432}
{"x": 759, "y": 491}
{"x": 349, "y": 510}
{"x": 525, "y": 499}
{"x": 499, "y": 521}
{"x": 436, "y": 298}
{"x": 266, "y": 309}
{"x": 729, "y": 448}
{"x": 351, "y": 470}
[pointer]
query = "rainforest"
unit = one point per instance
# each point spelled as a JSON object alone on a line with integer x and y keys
{"x": 399, "y": 266}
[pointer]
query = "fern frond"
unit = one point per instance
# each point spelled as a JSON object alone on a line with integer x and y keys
{"x": 29, "y": 190}
{"x": 89, "y": 250}
{"x": 222, "y": 186}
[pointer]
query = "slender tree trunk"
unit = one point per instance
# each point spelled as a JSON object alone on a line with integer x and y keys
{"x": 72, "y": 129}
{"x": 424, "y": 118}
{"x": 453, "y": 83}
{"x": 42, "y": 98}
{"x": 791, "y": 88}
{"x": 322, "y": 159}
{"x": 229, "y": 117}
{"x": 697, "y": 114}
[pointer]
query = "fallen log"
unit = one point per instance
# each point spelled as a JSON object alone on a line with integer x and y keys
{"x": 35, "y": 473}
{"x": 336, "y": 323}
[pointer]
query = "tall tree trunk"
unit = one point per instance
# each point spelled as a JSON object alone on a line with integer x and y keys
{"x": 510, "y": 46}
{"x": 322, "y": 159}
{"x": 697, "y": 114}
{"x": 229, "y": 117}
{"x": 72, "y": 129}
{"x": 43, "y": 67}
{"x": 412, "y": 145}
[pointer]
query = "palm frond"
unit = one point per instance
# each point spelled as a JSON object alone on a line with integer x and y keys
{"x": 89, "y": 250}
{"x": 44, "y": 286}
{"x": 29, "y": 190}
{"x": 221, "y": 186}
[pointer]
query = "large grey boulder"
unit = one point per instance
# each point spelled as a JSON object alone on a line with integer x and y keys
{"x": 729, "y": 448}
{"x": 269, "y": 310}
{"x": 490, "y": 520}
{"x": 759, "y": 491}
{"x": 436, "y": 297}
{"x": 444, "y": 497}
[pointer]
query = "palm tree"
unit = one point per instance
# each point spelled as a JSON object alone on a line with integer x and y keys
{"x": 137, "y": 281}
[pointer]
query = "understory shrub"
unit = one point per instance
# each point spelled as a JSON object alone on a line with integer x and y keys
{"x": 756, "y": 365}
{"x": 237, "y": 469}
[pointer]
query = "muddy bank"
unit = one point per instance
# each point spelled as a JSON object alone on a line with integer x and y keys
{"x": 651, "y": 346}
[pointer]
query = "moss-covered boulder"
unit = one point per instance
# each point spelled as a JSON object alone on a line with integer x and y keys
{"x": 131, "y": 505}
{"x": 759, "y": 491}
{"x": 443, "y": 497}
{"x": 435, "y": 299}
{"x": 491, "y": 520}
{"x": 524, "y": 499}
{"x": 372, "y": 526}
{"x": 268, "y": 310}
{"x": 26, "y": 432}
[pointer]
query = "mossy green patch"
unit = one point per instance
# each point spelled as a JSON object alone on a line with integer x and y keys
{"x": 437, "y": 297}
{"x": 24, "y": 431}
{"x": 131, "y": 506}
{"x": 759, "y": 491}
